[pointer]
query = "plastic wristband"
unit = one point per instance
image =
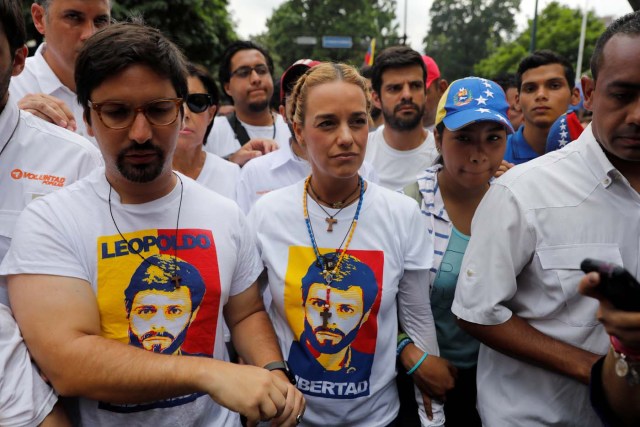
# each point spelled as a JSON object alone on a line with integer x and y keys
{"x": 402, "y": 336}
{"x": 418, "y": 363}
{"x": 402, "y": 344}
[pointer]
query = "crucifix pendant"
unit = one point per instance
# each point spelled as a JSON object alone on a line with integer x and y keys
{"x": 176, "y": 280}
{"x": 325, "y": 317}
{"x": 330, "y": 221}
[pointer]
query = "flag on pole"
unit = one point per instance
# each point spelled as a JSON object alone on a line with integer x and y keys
{"x": 369, "y": 56}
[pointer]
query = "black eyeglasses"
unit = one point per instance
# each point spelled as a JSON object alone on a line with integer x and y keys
{"x": 199, "y": 102}
{"x": 244, "y": 72}
{"x": 119, "y": 115}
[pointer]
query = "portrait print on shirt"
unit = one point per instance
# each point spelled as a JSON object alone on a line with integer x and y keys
{"x": 167, "y": 302}
{"x": 334, "y": 324}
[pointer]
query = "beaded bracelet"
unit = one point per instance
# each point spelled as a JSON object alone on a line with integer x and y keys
{"x": 402, "y": 336}
{"x": 402, "y": 344}
{"x": 418, "y": 363}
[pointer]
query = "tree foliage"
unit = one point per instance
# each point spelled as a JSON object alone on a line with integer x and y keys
{"x": 202, "y": 28}
{"x": 360, "y": 19}
{"x": 558, "y": 30}
{"x": 465, "y": 31}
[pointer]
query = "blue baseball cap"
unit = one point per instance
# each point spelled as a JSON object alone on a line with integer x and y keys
{"x": 471, "y": 100}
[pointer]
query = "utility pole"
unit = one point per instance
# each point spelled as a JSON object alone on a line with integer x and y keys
{"x": 583, "y": 32}
{"x": 534, "y": 29}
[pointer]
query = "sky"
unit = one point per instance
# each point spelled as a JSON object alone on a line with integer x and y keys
{"x": 250, "y": 16}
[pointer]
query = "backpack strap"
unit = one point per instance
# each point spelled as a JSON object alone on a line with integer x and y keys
{"x": 238, "y": 129}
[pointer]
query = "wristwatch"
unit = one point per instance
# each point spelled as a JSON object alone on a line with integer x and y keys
{"x": 283, "y": 366}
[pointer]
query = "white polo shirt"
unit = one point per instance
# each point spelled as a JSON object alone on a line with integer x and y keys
{"x": 275, "y": 170}
{"x": 395, "y": 168}
{"x": 36, "y": 158}
{"x": 529, "y": 235}
{"x": 25, "y": 399}
{"x": 38, "y": 77}
{"x": 223, "y": 142}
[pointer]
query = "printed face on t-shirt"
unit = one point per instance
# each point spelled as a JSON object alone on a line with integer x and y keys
{"x": 159, "y": 318}
{"x": 343, "y": 310}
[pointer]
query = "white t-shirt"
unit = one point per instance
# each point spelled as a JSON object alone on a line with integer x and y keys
{"x": 71, "y": 233}
{"x": 275, "y": 170}
{"x": 396, "y": 169}
{"x": 25, "y": 399}
{"x": 38, "y": 159}
{"x": 222, "y": 140}
{"x": 38, "y": 77}
{"x": 219, "y": 175}
{"x": 529, "y": 235}
{"x": 391, "y": 248}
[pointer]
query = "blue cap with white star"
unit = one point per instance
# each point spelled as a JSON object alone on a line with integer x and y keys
{"x": 471, "y": 100}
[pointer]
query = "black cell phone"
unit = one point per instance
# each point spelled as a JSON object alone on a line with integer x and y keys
{"x": 616, "y": 284}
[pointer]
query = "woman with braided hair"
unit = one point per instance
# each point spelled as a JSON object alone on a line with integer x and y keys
{"x": 346, "y": 259}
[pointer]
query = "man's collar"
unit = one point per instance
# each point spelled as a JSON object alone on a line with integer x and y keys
{"x": 45, "y": 76}
{"x": 8, "y": 121}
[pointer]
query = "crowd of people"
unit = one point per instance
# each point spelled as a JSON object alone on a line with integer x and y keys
{"x": 382, "y": 248}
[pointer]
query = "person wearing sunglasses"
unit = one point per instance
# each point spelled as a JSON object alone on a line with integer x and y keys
{"x": 190, "y": 158}
{"x": 253, "y": 129}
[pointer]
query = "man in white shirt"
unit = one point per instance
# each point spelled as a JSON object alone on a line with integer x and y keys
{"x": 252, "y": 129}
{"x": 77, "y": 250}
{"x": 518, "y": 287}
{"x": 46, "y": 87}
{"x": 36, "y": 158}
{"x": 402, "y": 147}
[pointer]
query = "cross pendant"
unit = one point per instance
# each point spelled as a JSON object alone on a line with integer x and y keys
{"x": 325, "y": 317}
{"x": 330, "y": 221}
{"x": 176, "y": 280}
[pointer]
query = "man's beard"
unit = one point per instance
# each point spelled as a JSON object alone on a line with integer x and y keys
{"x": 327, "y": 347}
{"x": 141, "y": 173}
{"x": 402, "y": 123}
{"x": 5, "y": 78}
{"x": 173, "y": 347}
{"x": 257, "y": 107}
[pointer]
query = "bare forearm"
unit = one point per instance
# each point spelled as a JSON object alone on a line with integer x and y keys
{"x": 516, "y": 338}
{"x": 623, "y": 399}
{"x": 102, "y": 369}
{"x": 255, "y": 339}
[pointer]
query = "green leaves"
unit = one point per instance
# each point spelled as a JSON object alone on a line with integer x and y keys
{"x": 558, "y": 30}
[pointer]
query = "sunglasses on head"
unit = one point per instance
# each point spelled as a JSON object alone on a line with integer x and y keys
{"x": 199, "y": 102}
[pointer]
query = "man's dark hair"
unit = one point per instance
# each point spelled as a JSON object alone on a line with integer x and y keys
{"x": 201, "y": 73}
{"x": 119, "y": 46}
{"x": 395, "y": 57}
{"x": 353, "y": 272}
{"x": 12, "y": 22}
{"x": 224, "y": 73}
{"x": 545, "y": 57}
{"x": 366, "y": 71}
{"x": 506, "y": 81}
{"x": 628, "y": 25}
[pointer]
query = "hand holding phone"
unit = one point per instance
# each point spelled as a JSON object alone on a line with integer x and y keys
{"x": 616, "y": 284}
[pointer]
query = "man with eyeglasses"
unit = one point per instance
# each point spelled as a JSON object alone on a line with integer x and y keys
{"x": 253, "y": 129}
{"x": 46, "y": 87}
{"x": 82, "y": 247}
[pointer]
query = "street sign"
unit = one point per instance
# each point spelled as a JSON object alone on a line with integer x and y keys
{"x": 337, "y": 42}
{"x": 306, "y": 40}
